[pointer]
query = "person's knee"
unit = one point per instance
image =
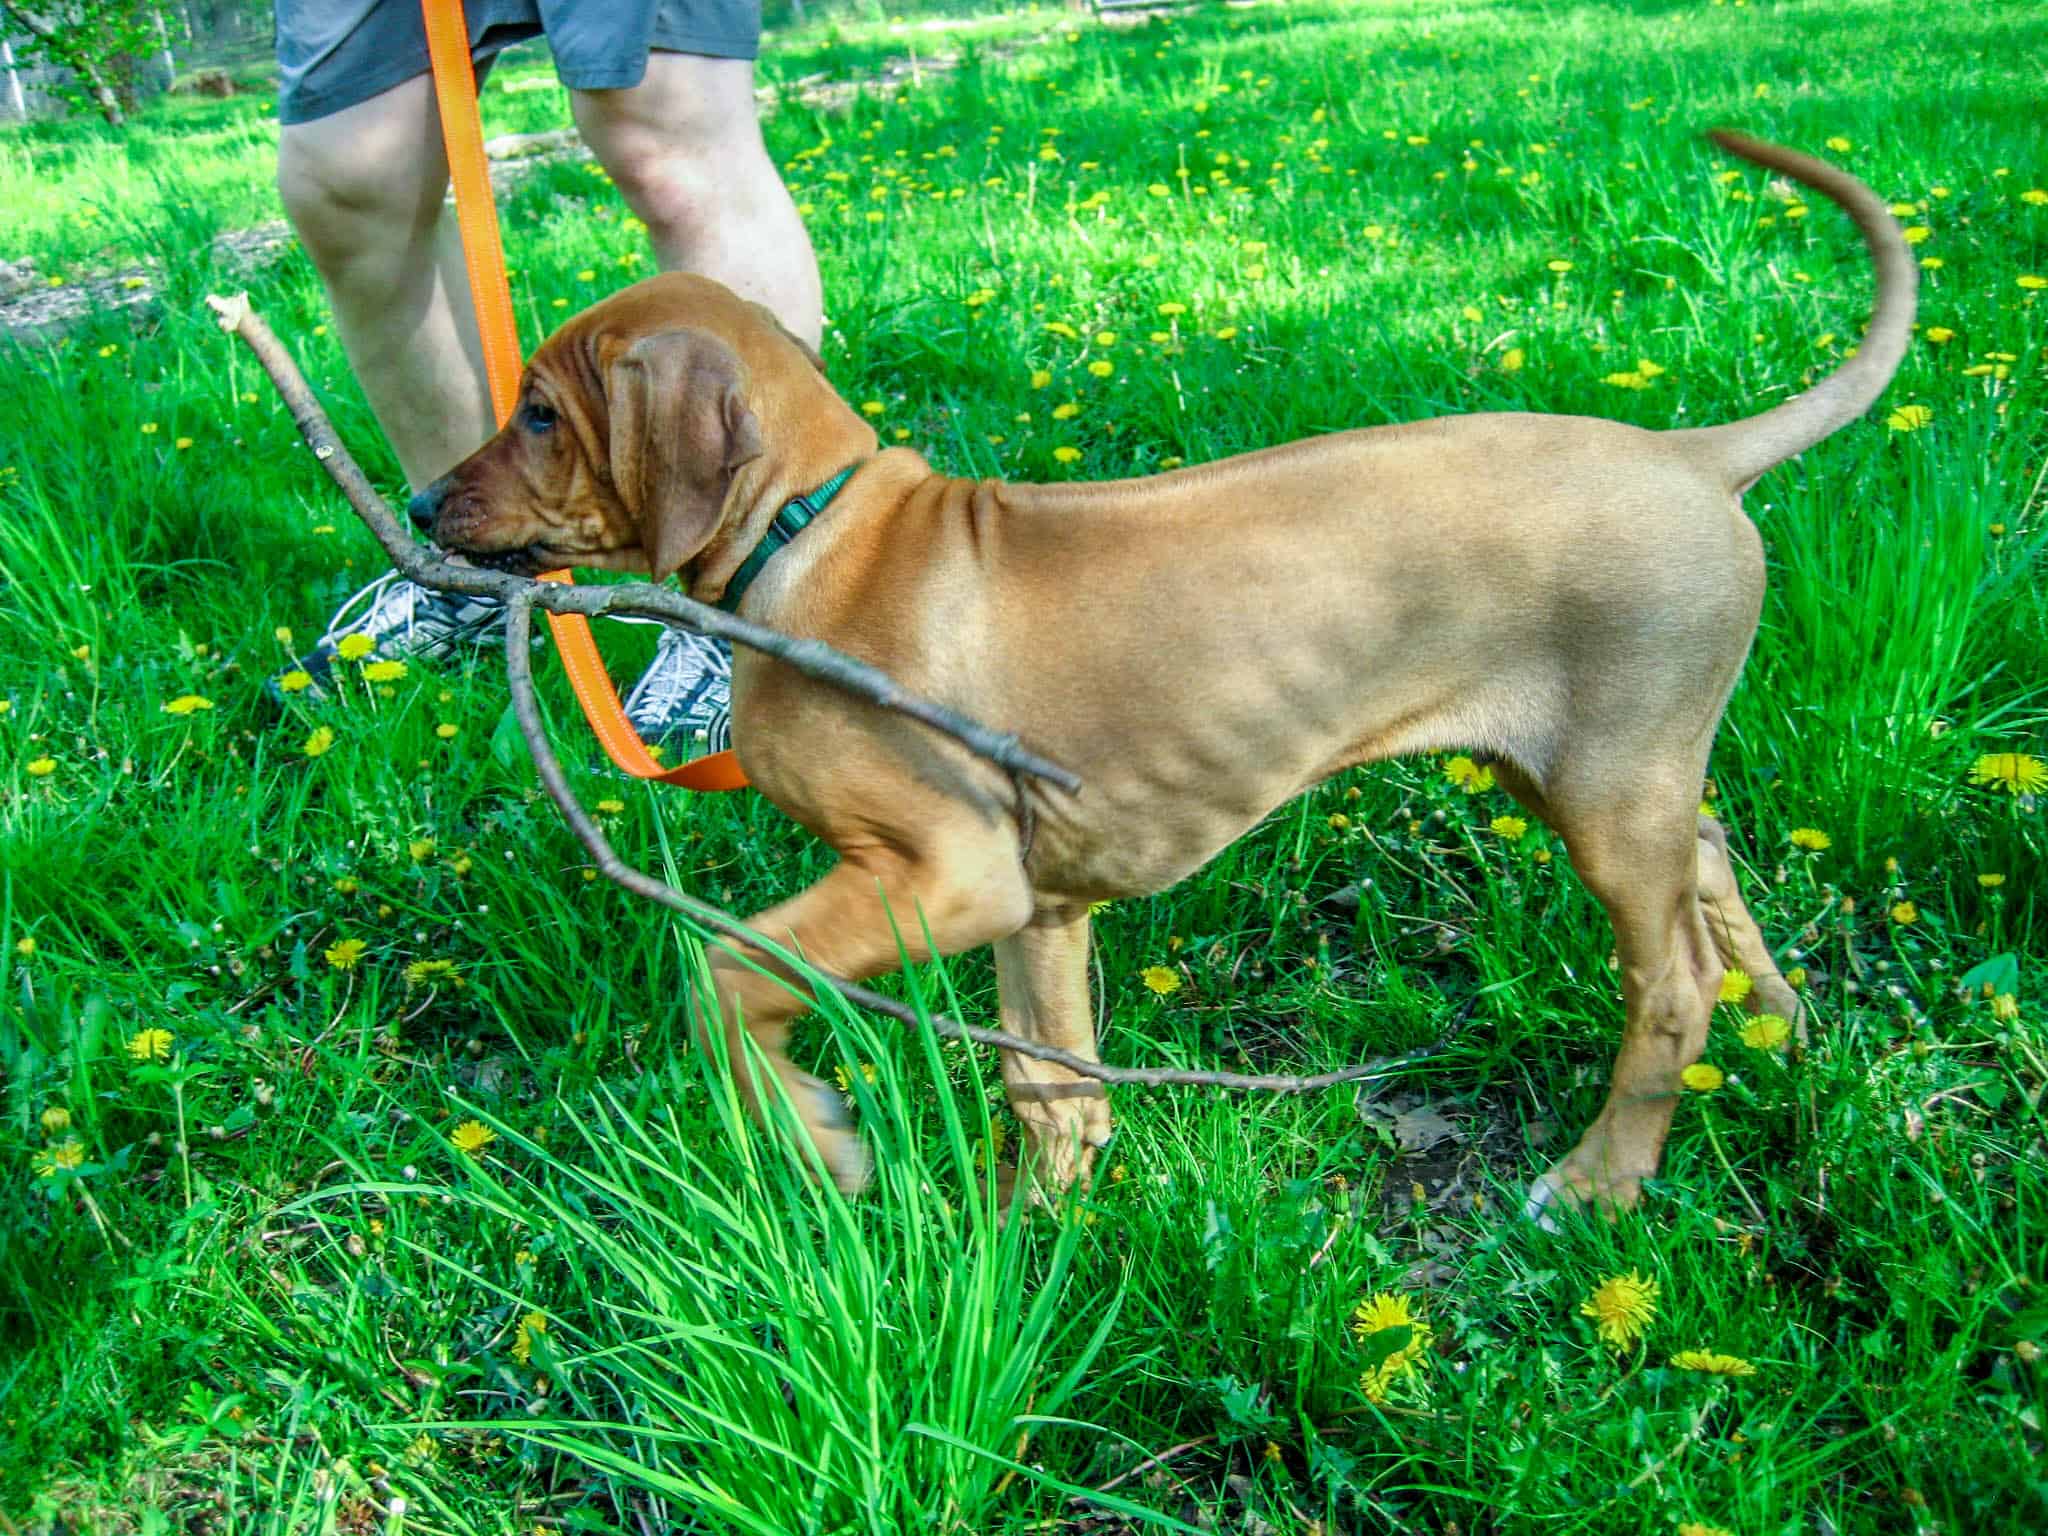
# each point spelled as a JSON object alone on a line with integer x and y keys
{"x": 375, "y": 184}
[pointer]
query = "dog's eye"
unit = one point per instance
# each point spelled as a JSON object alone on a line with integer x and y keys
{"x": 539, "y": 418}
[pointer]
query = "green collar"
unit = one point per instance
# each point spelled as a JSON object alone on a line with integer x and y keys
{"x": 792, "y": 520}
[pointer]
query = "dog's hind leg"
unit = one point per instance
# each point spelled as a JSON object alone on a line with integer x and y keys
{"x": 1635, "y": 845}
{"x": 1042, "y": 970}
{"x": 1735, "y": 932}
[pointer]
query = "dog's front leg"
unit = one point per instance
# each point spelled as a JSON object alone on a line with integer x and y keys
{"x": 1042, "y": 970}
{"x": 964, "y": 893}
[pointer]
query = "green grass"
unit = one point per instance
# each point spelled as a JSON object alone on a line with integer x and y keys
{"x": 271, "y": 1295}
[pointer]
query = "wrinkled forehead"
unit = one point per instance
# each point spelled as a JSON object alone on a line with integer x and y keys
{"x": 670, "y": 301}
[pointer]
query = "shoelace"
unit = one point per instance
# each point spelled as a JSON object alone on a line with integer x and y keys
{"x": 394, "y": 603}
{"x": 670, "y": 683}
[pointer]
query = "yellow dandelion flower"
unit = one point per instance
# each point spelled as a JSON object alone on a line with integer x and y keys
{"x": 2030, "y": 281}
{"x": 1909, "y": 418}
{"x": 1510, "y": 827}
{"x": 42, "y": 767}
{"x": 1915, "y": 233}
{"x": 1063, "y": 330}
{"x": 2005, "y": 1007}
{"x": 1633, "y": 378}
{"x": 1766, "y": 1032}
{"x": 447, "y": 730}
{"x": 2016, "y": 773}
{"x": 346, "y": 953}
{"x": 1040, "y": 377}
{"x": 1707, "y": 1361}
{"x": 471, "y": 1137}
{"x": 384, "y": 671}
{"x": 1511, "y": 360}
{"x": 182, "y": 444}
{"x": 1811, "y": 840}
{"x": 1905, "y": 914}
{"x": 355, "y": 647}
{"x": 1991, "y": 879}
{"x": 1735, "y": 984}
{"x": 2035, "y": 195}
{"x": 1066, "y": 455}
{"x": 1623, "y": 1306}
{"x": 1173, "y": 307}
{"x": 1226, "y": 332}
{"x": 1559, "y": 265}
{"x": 1377, "y": 1315}
{"x": 1699, "y": 1528}
{"x": 1066, "y": 410}
{"x": 1160, "y": 189}
{"x": 317, "y": 743}
{"x": 25, "y": 946}
{"x": 1160, "y": 979}
{"x": 1839, "y": 144}
{"x": 298, "y": 680}
{"x": 149, "y": 429}
{"x": 1702, "y": 1077}
{"x": 152, "y": 1044}
{"x": 1468, "y": 775}
{"x": 1938, "y": 334}
{"x": 531, "y": 1327}
{"x": 1473, "y": 313}
{"x": 871, "y": 407}
{"x": 54, "y": 1119}
{"x": 65, "y": 1155}
{"x": 186, "y": 703}
{"x": 611, "y": 807}
{"x": 1105, "y": 338}
{"x": 425, "y": 972}
{"x": 421, "y": 849}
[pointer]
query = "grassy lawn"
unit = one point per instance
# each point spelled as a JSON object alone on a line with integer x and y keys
{"x": 259, "y": 969}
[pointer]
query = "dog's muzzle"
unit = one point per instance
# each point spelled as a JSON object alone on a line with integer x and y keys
{"x": 426, "y": 506}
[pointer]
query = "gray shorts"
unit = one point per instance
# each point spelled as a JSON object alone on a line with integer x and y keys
{"x": 333, "y": 54}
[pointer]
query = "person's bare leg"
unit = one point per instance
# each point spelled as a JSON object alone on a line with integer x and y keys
{"x": 365, "y": 188}
{"x": 684, "y": 147}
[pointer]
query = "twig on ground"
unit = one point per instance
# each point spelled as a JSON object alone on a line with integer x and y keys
{"x": 521, "y": 597}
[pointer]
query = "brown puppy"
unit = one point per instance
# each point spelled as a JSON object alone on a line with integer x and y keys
{"x": 1199, "y": 647}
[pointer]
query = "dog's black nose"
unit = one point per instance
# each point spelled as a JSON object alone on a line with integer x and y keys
{"x": 423, "y": 508}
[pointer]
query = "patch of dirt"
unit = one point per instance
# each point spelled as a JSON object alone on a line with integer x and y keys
{"x": 1449, "y": 1161}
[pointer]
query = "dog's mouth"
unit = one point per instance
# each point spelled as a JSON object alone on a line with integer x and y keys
{"x": 524, "y": 560}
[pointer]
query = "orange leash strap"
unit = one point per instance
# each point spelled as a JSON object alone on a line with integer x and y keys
{"x": 483, "y": 251}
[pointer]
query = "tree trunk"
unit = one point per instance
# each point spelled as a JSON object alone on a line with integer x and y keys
{"x": 16, "y": 101}
{"x": 78, "y": 62}
{"x": 163, "y": 41}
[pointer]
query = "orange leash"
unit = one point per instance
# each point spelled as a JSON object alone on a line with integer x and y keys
{"x": 483, "y": 251}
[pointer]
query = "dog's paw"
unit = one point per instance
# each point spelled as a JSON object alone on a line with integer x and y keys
{"x": 831, "y": 1130}
{"x": 1549, "y": 1195}
{"x": 1561, "y": 1189}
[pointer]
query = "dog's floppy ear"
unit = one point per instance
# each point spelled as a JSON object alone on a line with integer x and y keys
{"x": 679, "y": 427}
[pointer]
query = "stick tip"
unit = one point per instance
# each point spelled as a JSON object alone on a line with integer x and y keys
{"x": 231, "y": 308}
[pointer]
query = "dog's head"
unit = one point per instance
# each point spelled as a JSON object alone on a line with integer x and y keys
{"x": 634, "y": 420}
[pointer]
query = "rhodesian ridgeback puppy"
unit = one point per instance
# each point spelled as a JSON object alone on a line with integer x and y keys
{"x": 1570, "y": 597}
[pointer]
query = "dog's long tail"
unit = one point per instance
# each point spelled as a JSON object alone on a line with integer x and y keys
{"x": 1743, "y": 450}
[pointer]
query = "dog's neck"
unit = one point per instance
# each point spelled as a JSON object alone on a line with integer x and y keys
{"x": 763, "y": 488}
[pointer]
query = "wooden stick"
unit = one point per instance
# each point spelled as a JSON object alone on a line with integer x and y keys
{"x": 813, "y": 658}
